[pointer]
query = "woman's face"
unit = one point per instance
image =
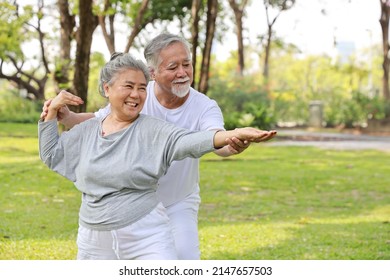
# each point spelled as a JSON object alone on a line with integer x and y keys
{"x": 127, "y": 94}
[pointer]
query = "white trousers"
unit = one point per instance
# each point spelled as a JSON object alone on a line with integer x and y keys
{"x": 147, "y": 239}
{"x": 183, "y": 216}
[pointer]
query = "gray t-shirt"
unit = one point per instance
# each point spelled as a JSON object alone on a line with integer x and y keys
{"x": 118, "y": 173}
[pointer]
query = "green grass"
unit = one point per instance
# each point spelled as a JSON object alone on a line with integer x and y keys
{"x": 272, "y": 203}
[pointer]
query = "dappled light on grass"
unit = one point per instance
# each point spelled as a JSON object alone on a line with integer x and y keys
{"x": 242, "y": 240}
{"x": 305, "y": 238}
{"x": 23, "y": 147}
{"x": 36, "y": 249}
{"x": 377, "y": 215}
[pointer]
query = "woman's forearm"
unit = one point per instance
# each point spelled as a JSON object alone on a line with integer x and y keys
{"x": 220, "y": 138}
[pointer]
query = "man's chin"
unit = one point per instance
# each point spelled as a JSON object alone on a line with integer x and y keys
{"x": 182, "y": 92}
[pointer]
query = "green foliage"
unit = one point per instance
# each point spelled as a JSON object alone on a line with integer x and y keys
{"x": 11, "y": 28}
{"x": 343, "y": 87}
{"x": 268, "y": 203}
{"x": 95, "y": 100}
{"x": 163, "y": 10}
{"x": 14, "y": 108}
{"x": 378, "y": 108}
{"x": 242, "y": 102}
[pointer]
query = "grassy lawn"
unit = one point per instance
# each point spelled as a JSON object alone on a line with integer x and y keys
{"x": 271, "y": 203}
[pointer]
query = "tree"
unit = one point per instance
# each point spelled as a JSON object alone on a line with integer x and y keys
{"x": 137, "y": 14}
{"x": 88, "y": 23}
{"x": 280, "y": 6}
{"x": 212, "y": 10}
{"x": 67, "y": 25}
{"x": 15, "y": 21}
{"x": 138, "y": 24}
{"x": 195, "y": 9}
{"x": 384, "y": 22}
{"x": 109, "y": 12}
{"x": 238, "y": 9}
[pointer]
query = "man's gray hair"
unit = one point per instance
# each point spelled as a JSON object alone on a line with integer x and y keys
{"x": 118, "y": 63}
{"x": 157, "y": 44}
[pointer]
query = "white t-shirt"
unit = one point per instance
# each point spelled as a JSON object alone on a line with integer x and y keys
{"x": 198, "y": 113}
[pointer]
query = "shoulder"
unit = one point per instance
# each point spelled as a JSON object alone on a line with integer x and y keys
{"x": 148, "y": 120}
{"x": 201, "y": 99}
{"x": 87, "y": 124}
{"x": 149, "y": 125}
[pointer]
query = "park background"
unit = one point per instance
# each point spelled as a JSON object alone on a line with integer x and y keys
{"x": 314, "y": 65}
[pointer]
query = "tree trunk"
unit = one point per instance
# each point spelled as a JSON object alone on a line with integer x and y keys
{"x": 212, "y": 10}
{"x": 67, "y": 23}
{"x": 267, "y": 53}
{"x": 195, "y": 33}
{"x": 384, "y": 22}
{"x": 238, "y": 15}
{"x": 88, "y": 23}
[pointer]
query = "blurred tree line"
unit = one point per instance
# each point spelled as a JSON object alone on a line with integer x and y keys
{"x": 264, "y": 83}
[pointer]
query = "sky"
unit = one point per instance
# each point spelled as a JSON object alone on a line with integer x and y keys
{"x": 355, "y": 22}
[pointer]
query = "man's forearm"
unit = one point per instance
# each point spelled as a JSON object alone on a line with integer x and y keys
{"x": 76, "y": 118}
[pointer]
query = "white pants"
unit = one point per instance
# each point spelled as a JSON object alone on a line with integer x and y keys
{"x": 183, "y": 216}
{"x": 147, "y": 239}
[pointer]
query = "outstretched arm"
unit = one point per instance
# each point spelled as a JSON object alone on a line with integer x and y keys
{"x": 244, "y": 135}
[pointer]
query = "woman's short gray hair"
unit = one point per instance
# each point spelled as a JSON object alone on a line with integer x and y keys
{"x": 118, "y": 63}
{"x": 157, "y": 44}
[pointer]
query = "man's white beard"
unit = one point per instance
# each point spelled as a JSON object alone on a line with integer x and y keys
{"x": 181, "y": 90}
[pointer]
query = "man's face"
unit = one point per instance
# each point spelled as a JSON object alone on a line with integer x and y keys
{"x": 174, "y": 74}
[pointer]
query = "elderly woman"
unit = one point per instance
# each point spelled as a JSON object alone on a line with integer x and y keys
{"x": 116, "y": 162}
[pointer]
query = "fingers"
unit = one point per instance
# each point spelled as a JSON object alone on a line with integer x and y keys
{"x": 45, "y": 108}
{"x": 256, "y": 135}
{"x": 265, "y": 136}
{"x": 236, "y": 145}
{"x": 66, "y": 98}
{"x": 43, "y": 115}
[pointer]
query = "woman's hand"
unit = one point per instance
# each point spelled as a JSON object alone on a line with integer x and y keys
{"x": 57, "y": 107}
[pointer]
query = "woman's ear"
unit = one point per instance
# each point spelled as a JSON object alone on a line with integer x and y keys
{"x": 106, "y": 88}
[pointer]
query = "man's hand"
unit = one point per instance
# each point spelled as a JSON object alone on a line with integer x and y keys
{"x": 236, "y": 146}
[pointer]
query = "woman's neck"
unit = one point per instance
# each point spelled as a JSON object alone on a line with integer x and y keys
{"x": 112, "y": 124}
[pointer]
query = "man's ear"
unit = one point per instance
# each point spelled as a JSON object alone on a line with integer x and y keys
{"x": 152, "y": 72}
